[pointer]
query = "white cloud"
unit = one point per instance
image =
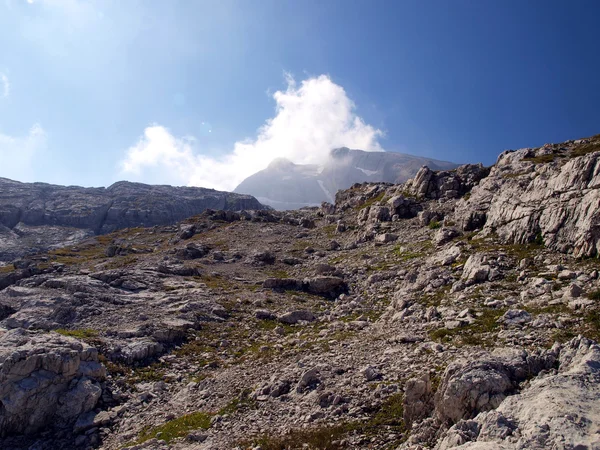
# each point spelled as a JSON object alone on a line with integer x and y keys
{"x": 17, "y": 154}
{"x": 5, "y": 91}
{"x": 310, "y": 119}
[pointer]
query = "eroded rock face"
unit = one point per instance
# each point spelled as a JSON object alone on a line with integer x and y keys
{"x": 481, "y": 385}
{"x": 557, "y": 202}
{"x": 45, "y": 378}
{"x": 445, "y": 184}
{"x": 559, "y": 410}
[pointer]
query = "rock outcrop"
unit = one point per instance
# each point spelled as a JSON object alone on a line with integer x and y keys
{"x": 45, "y": 378}
{"x": 558, "y": 410}
{"x": 549, "y": 195}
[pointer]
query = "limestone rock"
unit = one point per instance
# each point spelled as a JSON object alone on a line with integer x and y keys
{"x": 45, "y": 378}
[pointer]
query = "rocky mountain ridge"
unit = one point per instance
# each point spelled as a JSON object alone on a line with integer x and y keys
{"x": 38, "y": 216}
{"x": 405, "y": 316}
{"x": 285, "y": 185}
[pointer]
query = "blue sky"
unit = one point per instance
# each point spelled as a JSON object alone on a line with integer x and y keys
{"x": 205, "y": 92}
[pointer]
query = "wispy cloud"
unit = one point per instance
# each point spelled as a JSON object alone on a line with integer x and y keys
{"x": 310, "y": 119}
{"x": 18, "y": 154}
{"x": 5, "y": 91}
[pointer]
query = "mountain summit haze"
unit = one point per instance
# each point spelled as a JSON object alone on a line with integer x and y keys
{"x": 285, "y": 185}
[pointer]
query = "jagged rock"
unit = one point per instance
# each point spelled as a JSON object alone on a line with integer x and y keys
{"x": 445, "y": 235}
{"x": 370, "y": 373}
{"x": 378, "y": 214}
{"x": 193, "y": 251}
{"x": 554, "y": 203}
{"x": 386, "y": 237}
{"x": 556, "y": 411}
{"x": 308, "y": 379}
{"x": 481, "y": 385}
{"x": 418, "y": 399}
{"x": 263, "y": 314}
{"x": 445, "y": 184}
{"x": 515, "y": 317}
{"x": 262, "y": 257}
{"x": 476, "y": 269}
{"x": 187, "y": 231}
{"x": 45, "y": 378}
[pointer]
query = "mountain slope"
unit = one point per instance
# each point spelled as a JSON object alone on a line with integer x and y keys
{"x": 39, "y": 215}
{"x": 285, "y": 185}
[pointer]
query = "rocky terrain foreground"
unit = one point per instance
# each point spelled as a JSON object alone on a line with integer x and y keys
{"x": 459, "y": 310}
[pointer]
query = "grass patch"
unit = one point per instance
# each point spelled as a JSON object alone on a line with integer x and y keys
{"x": 592, "y": 325}
{"x": 330, "y": 230}
{"x": 371, "y": 201}
{"x": 434, "y": 225}
{"x": 277, "y": 273}
{"x": 175, "y": 428}
{"x": 585, "y": 149}
{"x": 541, "y": 159}
{"x": 594, "y": 295}
{"x": 7, "y": 269}
{"x": 85, "y": 333}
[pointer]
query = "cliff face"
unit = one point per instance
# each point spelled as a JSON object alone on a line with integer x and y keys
{"x": 36, "y": 216}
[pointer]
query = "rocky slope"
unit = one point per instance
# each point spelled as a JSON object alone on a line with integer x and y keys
{"x": 38, "y": 216}
{"x": 285, "y": 185}
{"x": 401, "y": 317}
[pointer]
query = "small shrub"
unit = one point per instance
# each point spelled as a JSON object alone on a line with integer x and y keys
{"x": 434, "y": 225}
{"x": 85, "y": 333}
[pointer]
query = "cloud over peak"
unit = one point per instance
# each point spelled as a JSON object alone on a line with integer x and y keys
{"x": 311, "y": 118}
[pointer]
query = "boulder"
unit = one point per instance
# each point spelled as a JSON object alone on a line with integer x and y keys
{"x": 45, "y": 379}
{"x": 326, "y": 285}
{"x": 293, "y": 317}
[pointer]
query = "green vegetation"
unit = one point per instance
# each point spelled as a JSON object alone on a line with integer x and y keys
{"x": 329, "y": 230}
{"x": 85, "y": 333}
{"x": 585, "y": 149}
{"x": 175, "y": 428}
{"x": 541, "y": 159}
{"x": 6, "y": 269}
{"x": 592, "y": 325}
{"x": 371, "y": 201}
{"x": 594, "y": 295}
{"x": 277, "y": 273}
{"x": 405, "y": 253}
{"x": 434, "y": 225}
